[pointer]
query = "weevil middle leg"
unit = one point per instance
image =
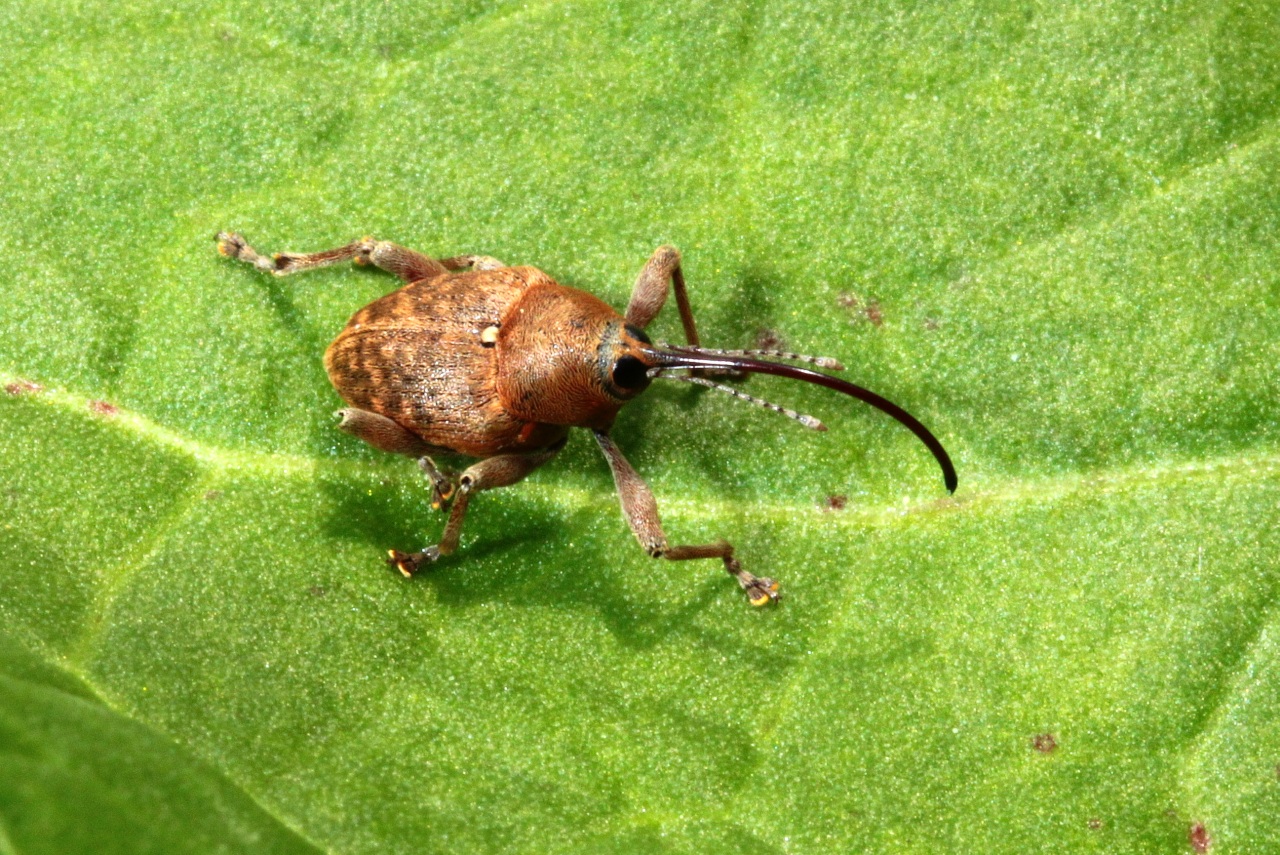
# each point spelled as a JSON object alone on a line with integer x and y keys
{"x": 488, "y": 474}
{"x": 473, "y": 262}
{"x": 443, "y": 484}
{"x": 384, "y": 434}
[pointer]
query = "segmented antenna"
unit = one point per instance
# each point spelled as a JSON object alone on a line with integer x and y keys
{"x": 690, "y": 358}
{"x": 807, "y": 421}
{"x": 820, "y": 361}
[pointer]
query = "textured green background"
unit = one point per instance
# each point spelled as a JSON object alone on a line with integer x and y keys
{"x": 1068, "y": 216}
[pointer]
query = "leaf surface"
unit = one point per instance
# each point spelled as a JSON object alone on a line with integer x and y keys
{"x": 1048, "y": 231}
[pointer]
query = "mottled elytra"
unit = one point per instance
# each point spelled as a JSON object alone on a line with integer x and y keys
{"x": 478, "y": 359}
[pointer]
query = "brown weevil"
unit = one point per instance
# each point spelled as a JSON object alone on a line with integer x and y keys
{"x": 477, "y": 359}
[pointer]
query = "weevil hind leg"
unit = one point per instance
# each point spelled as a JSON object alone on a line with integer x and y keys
{"x": 490, "y": 473}
{"x": 641, "y": 511}
{"x": 410, "y": 265}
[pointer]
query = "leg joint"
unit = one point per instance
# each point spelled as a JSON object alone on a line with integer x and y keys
{"x": 666, "y": 257}
{"x": 364, "y": 250}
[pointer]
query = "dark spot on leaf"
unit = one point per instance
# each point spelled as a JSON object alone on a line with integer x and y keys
{"x": 1094, "y": 823}
{"x": 768, "y": 339}
{"x": 23, "y": 387}
{"x": 873, "y": 313}
{"x": 835, "y": 502}
{"x": 211, "y": 495}
{"x": 862, "y": 309}
{"x": 931, "y": 324}
{"x": 317, "y": 591}
{"x": 1199, "y": 838}
{"x": 103, "y": 408}
{"x": 1044, "y": 743}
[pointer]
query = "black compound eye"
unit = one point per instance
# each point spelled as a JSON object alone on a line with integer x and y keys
{"x": 630, "y": 373}
{"x": 637, "y": 333}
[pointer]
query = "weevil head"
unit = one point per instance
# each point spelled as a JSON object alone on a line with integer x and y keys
{"x": 567, "y": 358}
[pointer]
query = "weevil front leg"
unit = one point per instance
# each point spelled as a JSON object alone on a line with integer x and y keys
{"x": 500, "y": 471}
{"x": 410, "y": 265}
{"x": 649, "y": 294}
{"x": 641, "y": 511}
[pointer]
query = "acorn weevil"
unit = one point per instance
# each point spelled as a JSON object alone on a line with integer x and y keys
{"x": 476, "y": 359}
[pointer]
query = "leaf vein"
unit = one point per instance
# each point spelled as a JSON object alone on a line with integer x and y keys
{"x": 118, "y": 576}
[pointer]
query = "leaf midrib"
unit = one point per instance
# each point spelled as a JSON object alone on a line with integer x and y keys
{"x": 221, "y": 459}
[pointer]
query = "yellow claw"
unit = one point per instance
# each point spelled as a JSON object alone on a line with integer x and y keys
{"x": 397, "y": 560}
{"x": 763, "y": 595}
{"x": 363, "y": 260}
{"x": 440, "y": 498}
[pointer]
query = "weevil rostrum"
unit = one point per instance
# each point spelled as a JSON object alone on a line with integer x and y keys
{"x": 473, "y": 358}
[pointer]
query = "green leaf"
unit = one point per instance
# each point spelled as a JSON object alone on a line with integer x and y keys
{"x": 77, "y": 776}
{"x": 1047, "y": 230}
